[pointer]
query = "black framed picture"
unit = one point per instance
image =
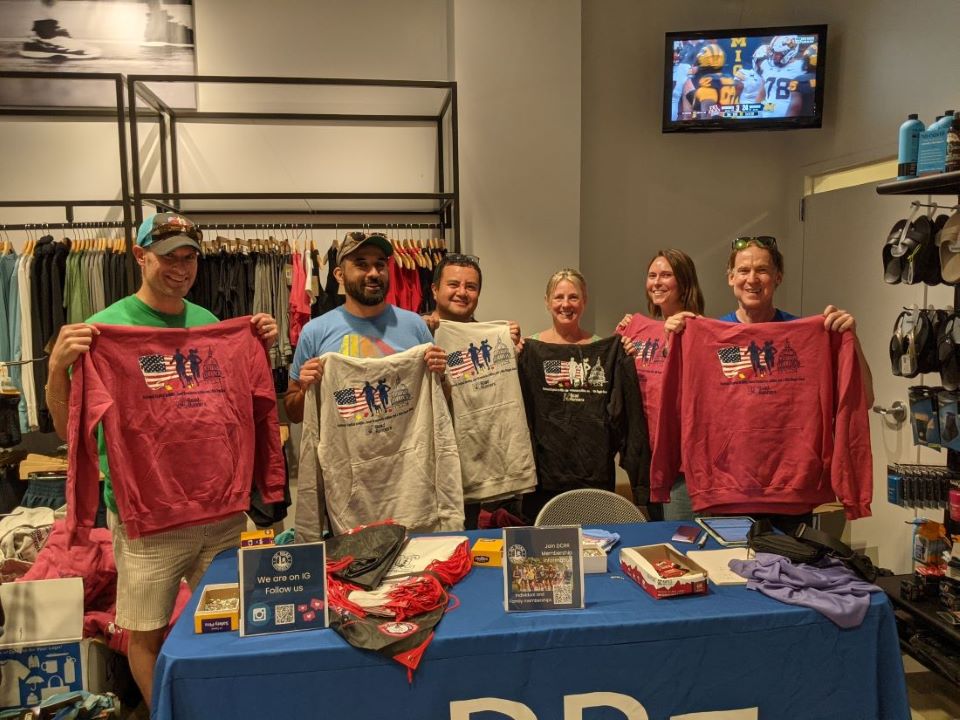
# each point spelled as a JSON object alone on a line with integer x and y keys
{"x": 103, "y": 36}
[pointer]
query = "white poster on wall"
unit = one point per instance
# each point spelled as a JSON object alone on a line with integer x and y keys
{"x": 109, "y": 36}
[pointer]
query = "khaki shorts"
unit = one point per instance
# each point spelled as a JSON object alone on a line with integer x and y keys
{"x": 149, "y": 569}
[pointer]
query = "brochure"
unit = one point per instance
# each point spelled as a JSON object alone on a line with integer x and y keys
{"x": 543, "y": 568}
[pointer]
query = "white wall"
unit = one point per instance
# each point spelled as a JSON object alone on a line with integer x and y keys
{"x": 644, "y": 190}
{"x": 864, "y": 107}
{"x": 517, "y": 66}
{"x": 332, "y": 38}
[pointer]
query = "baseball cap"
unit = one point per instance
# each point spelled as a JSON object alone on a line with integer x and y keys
{"x": 950, "y": 250}
{"x": 165, "y": 232}
{"x": 353, "y": 241}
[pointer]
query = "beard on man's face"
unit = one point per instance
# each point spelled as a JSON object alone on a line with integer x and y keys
{"x": 363, "y": 293}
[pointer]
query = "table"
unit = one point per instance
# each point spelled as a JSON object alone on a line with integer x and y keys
{"x": 731, "y": 649}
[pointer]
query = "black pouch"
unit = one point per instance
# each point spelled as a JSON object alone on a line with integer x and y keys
{"x": 372, "y": 550}
{"x": 762, "y": 538}
{"x": 811, "y": 543}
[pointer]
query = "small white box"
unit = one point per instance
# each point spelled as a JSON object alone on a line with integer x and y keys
{"x": 594, "y": 559}
{"x": 41, "y": 648}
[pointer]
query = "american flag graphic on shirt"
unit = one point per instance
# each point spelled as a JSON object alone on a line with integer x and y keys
{"x": 556, "y": 372}
{"x": 458, "y": 364}
{"x": 735, "y": 362}
{"x": 350, "y": 403}
{"x": 158, "y": 370}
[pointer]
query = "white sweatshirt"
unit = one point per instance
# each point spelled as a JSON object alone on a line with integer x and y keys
{"x": 488, "y": 416}
{"x": 386, "y": 447}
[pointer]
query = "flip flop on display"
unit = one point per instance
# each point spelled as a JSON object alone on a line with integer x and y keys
{"x": 897, "y": 347}
{"x": 915, "y": 247}
{"x": 891, "y": 261}
{"x": 948, "y": 353}
{"x": 950, "y": 251}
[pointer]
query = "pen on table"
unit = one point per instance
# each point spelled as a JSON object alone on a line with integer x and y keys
{"x": 703, "y": 540}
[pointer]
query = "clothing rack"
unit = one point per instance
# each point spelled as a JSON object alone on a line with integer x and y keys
{"x": 933, "y": 205}
{"x": 40, "y": 227}
{"x": 316, "y": 226}
{"x": 437, "y": 106}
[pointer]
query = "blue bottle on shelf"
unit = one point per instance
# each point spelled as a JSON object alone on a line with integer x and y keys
{"x": 909, "y": 142}
{"x": 943, "y": 121}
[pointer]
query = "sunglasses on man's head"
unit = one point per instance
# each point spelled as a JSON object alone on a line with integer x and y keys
{"x": 764, "y": 241}
{"x": 457, "y": 257}
{"x": 177, "y": 226}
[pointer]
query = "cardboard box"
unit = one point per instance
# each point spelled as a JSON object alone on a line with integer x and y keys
{"x": 594, "y": 560}
{"x": 488, "y": 552}
{"x": 250, "y": 538}
{"x": 41, "y": 649}
{"x": 208, "y": 621}
{"x": 638, "y": 563}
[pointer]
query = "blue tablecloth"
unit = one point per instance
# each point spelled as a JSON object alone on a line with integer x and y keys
{"x": 731, "y": 649}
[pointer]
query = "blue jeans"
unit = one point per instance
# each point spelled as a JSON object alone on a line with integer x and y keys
{"x": 679, "y": 507}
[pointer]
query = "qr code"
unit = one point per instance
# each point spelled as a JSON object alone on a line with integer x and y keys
{"x": 284, "y": 614}
{"x": 562, "y": 595}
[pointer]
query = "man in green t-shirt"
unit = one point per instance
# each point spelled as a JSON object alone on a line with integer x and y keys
{"x": 149, "y": 569}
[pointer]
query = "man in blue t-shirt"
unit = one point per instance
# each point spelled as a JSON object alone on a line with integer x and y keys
{"x": 365, "y": 326}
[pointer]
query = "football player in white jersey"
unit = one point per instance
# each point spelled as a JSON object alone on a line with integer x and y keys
{"x": 752, "y": 77}
{"x": 681, "y": 71}
{"x": 782, "y": 68}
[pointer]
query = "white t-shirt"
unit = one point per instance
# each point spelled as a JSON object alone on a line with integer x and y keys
{"x": 752, "y": 82}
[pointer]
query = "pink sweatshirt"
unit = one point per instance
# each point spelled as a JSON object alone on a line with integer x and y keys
{"x": 650, "y": 342}
{"x": 190, "y": 421}
{"x": 765, "y": 418}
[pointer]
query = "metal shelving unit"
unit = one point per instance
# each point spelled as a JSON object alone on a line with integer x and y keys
{"x": 112, "y": 114}
{"x": 439, "y": 108}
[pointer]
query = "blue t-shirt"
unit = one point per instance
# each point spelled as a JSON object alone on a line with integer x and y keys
{"x": 391, "y": 331}
{"x": 778, "y": 316}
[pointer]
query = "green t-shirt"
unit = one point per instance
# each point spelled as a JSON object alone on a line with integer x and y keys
{"x": 131, "y": 310}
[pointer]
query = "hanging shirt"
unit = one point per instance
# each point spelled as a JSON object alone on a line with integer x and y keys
{"x": 26, "y": 342}
{"x": 765, "y": 417}
{"x": 496, "y": 458}
{"x": 387, "y": 450}
{"x": 299, "y": 301}
{"x": 13, "y": 333}
{"x": 196, "y": 427}
{"x": 583, "y": 408}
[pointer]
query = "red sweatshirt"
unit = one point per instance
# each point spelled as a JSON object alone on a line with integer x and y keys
{"x": 650, "y": 342}
{"x": 766, "y": 418}
{"x": 190, "y": 421}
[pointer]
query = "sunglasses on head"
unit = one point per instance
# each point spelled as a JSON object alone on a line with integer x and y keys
{"x": 764, "y": 241}
{"x": 457, "y": 257}
{"x": 176, "y": 227}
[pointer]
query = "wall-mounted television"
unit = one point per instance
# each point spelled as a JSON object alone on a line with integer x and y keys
{"x": 744, "y": 79}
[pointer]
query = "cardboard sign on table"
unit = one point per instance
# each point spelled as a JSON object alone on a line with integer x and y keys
{"x": 283, "y": 588}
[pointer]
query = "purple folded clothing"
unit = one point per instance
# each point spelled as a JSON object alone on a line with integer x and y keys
{"x": 828, "y": 586}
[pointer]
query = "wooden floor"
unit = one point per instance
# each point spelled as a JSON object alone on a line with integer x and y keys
{"x": 932, "y": 697}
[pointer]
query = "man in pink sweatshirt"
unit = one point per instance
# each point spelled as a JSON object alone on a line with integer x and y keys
{"x": 755, "y": 270}
{"x": 167, "y": 251}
